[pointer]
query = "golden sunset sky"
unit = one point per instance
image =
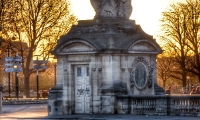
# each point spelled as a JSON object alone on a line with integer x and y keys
{"x": 146, "y": 13}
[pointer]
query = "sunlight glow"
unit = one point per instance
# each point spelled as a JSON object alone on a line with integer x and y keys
{"x": 147, "y": 13}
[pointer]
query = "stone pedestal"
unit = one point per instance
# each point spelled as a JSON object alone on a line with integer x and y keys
{"x": 55, "y": 101}
{"x": 108, "y": 99}
{"x": 101, "y": 59}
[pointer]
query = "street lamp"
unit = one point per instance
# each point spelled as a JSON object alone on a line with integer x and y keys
{"x": 16, "y": 82}
{"x": 188, "y": 79}
{"x": 9, "y": 91}
{"x": 13, "y": 64}
{"x": 8, "y": 64}
{"x": 55, "y": 67}
{"x": 39, "y": 64}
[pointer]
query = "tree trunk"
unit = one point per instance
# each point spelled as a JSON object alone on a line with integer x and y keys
{"x": 26, "y": 85}
{"x": 184, "y": 80}
{"x": 27, "y": 73}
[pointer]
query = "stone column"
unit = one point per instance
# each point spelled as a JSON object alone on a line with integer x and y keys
{"x": 107, "y": 78}
{"x": 61, "y": 70}
{"x": 65, "y": 74}
{"x": 111, "y": 83}
{"x": 95, "y": 77}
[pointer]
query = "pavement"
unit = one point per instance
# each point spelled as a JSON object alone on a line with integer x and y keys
{"x": 39, "y": 112}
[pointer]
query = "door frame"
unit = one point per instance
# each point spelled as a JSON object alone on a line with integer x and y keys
{"x": 74, "y": 82}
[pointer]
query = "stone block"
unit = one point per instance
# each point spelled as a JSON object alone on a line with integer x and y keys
{"x": 96, "y": 103}
{"x": 106, "y": 109}
{"x": 96, "y": 110}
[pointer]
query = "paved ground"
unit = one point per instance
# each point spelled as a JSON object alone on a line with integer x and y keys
{"x": 39, "y": 112}
{"x": 23, "y": 111}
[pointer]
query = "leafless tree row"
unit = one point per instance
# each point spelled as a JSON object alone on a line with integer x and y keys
{"x": 181, "y": 41}
{"x": 32, "y": 27}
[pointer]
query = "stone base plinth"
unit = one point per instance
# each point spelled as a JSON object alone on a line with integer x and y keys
{"x": 55, "y": 101}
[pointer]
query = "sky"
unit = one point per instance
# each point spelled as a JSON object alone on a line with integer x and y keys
{"x": 146, "y": 13}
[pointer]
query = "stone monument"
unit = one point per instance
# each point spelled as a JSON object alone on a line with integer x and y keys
{"x": 103, "y": 58}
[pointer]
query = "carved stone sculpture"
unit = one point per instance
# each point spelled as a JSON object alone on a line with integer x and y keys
{"x": 112, "y": 8}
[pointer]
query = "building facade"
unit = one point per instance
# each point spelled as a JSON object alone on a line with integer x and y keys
{"x": 99, "y": 60}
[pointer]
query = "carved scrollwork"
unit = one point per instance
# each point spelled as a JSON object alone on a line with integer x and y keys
{"x": 150, "y": 78}
{"x": 132, "y": 81}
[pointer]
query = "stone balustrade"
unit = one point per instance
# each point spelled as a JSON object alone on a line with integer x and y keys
{"x": 183, "y": 105}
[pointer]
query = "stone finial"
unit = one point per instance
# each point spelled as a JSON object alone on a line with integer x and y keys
{"x": 112, "y": 8}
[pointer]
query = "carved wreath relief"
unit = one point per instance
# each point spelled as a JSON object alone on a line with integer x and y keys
{"x": 141, "y": 75}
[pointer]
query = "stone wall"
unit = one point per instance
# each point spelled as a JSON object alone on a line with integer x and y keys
{"x": 110, "y": 75}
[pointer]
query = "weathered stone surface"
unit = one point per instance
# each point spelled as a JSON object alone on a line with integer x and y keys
{"x": 102, "y": 58}
{"x": 112, "y": 8}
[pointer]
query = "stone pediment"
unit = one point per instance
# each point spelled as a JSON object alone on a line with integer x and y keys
{"x": 77, "y": 47}
{"x": 143, "y": 46}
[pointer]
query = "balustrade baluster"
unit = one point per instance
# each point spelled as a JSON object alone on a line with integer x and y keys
{"x": 180, "y": 105}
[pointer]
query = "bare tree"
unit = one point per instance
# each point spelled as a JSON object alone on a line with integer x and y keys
{"x": 192, "y": 12}
{"x": 174, "y": 37}
{"x": 33, "y": 20}
{"x": 166, "y": 66}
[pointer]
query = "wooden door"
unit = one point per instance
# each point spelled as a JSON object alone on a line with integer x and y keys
{"x": 82, "y": 89}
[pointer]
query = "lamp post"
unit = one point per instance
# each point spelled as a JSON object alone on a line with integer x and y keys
{"x": 55, "y": 66}
{"x": 16, "y": 83}
{"x": 188, "y": 79}
{"x": 13, "y": 64}
{"x": 39, "y": 64}
{"x": 37, "y": 86}
{"x": 37, "y": 82}
{"x": 55, "y": 70}
{"x": 9, "y": 91}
